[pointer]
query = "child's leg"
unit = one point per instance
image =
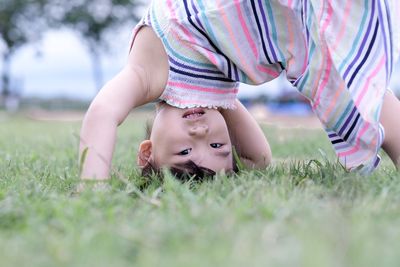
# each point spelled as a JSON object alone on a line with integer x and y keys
{"x": 391, "y": 122}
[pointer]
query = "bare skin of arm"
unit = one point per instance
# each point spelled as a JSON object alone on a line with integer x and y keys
{"x": 128, "y": 89}
{"x": 247, "y": 137}
{"x": 391, "y": 123}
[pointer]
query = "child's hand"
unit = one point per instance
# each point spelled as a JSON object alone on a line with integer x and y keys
{"x": 247, "y": 137}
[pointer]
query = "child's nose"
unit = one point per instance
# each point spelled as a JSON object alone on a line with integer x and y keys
{"x": 198, "y": 130}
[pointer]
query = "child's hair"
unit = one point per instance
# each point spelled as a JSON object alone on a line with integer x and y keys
{"x": 185, "y": 171}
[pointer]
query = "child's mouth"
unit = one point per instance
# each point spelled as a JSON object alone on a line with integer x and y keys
{"x": 193, "y": 113}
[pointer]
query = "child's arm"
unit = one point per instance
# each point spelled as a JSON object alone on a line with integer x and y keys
{"x": 109, "y": 108}
{"x": 247, "y": 137}
{"x": 129, "y": 89}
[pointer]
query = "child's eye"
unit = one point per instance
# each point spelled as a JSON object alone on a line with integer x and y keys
{"x": 216, "y": 145}
{"x": 185, "y": 152}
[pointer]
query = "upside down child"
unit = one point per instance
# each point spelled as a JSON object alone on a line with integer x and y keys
{"x": 191, "y": 55}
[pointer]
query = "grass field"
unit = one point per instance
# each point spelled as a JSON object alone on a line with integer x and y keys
{"x": 304, "y": 210}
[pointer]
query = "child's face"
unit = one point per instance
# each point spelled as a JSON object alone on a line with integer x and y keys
{"x": 199, "y": 134}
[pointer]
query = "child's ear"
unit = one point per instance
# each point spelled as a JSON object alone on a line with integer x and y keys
{"x": 144, "y": 153}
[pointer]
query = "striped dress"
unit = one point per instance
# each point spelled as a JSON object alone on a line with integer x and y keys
{"x": 337, "y": 53}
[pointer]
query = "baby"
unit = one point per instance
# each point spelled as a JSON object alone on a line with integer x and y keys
{"x": 191, "y": 55}
{"x": 204, "y": 136}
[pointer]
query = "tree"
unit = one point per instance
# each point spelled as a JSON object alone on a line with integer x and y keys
{"x": 20, "y": 22}
{"x": 93, "y": 20}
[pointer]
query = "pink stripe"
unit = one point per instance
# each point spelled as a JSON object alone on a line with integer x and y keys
{"x": 334, "y": 100}
{"x": 177, "y": 37}
{"x": 357, "y": 146}
{"x": 189, "y": 46}
{"x": 373, "y": 74}
{"x": 183, "y": 102}
{"x": 292, "y": 41}
{"x": 188, "y": 35}
{"x": 324, "y": 81}
{"x": 328, "y": 18}
{"x": 171, "y": 9}
{"x": 343, "y": 25}
{"x": 202, "y": 89}
{"x": 196, "y": 102}
{"x": 242, "y": 59}
{"x": 211, "y": 57}
{"x": 290, "y": 34}
{"x": 246, "y": 30}
{"x": 371, "y": 152}
{"x": 327, "y": 56}
{"x": 305, "y": 63}
{"x": 267, "y": 70}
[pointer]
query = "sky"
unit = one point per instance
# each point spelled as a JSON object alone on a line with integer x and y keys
{"x": 59, "y": 66}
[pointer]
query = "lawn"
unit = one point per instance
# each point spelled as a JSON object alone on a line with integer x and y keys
{"x": 304, "y": 210}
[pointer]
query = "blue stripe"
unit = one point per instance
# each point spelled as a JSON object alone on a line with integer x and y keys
{"x": 346, "y": 111}
{"x": 187, "y": 67}
{"x": 386, "y": 37}
{"x": 200, "y": 76}
{"x": 363, "y": 43}
{"x": 260, "y": 31}
{"x": 306, "y": 77}
{"x": 274, "y": 34}
{"x": 346, "y": 123}
{"x": 196, "y": 16}
{"x": 350, "y": 131}
{"x": 357, "y": 39}
{"x": 156, "y": 26}
{"x": 207, "y": 35}
{"x": 367, "y": 54}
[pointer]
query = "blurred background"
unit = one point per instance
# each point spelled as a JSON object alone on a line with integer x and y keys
{"x": 56, "y": 55}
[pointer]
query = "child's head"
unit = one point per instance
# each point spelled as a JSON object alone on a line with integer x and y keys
{"x": 193, "y": 140}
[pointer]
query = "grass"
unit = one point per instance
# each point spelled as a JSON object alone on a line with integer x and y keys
{"x": 304, "y": 210}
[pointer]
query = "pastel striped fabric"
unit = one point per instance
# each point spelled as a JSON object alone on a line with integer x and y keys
{"x": 338, "y": 53}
